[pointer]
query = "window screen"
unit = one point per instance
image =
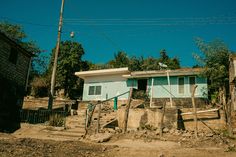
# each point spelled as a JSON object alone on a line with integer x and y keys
{"x": 181, "y": 85}
{"x": 192, "y": 82}
{"x": 13, "y": 55}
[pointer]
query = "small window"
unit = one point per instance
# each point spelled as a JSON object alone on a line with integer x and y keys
{"x": 181, "y": 85}
{"x": 13, "y": 55}
{"x": 95, "y": 90}
{"x": 192, "y": 82}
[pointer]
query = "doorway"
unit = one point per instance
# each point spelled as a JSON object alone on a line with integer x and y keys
{"x": 142, "y": 84}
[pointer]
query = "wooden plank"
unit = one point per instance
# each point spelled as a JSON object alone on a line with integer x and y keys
{"x": 202, "y": 111}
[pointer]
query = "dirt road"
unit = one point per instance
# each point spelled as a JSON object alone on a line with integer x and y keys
{"x": 32, "y": 141}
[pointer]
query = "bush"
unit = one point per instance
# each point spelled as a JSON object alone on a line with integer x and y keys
{"x": 39, "y": 87}
{"x": 139, "y": 94}
{"x": 56, "y": 120}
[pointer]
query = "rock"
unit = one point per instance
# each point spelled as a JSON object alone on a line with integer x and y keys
{"x": 165, "y": 130}
{"x": 209, "y": 135}
{"x": 172, "y": 131}
{"x": 117, "y": 128}
{"x": 99, "y": 138}
{"x": 234, "y": 131}
{"x": 186, "y": 134}
{"x": 183, "y": 139}
{"x": 104, "y": 149}
{"x": 110, "y": 130}
{"x": 157, "y": 132}
{"x": 177, "y": 133}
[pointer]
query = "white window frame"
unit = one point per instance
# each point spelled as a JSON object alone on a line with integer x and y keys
{"x": 183, "y": 86}
{"x": 94, "y": 92}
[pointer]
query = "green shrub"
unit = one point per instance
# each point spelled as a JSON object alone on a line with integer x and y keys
{"x": 56, "y": 120}
{"x": 139, "y": 94}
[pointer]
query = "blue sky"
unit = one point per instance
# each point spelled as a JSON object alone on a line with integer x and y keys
{"x": 138, "y": 27}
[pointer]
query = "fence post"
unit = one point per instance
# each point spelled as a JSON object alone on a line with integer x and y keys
{"x": 127, "y": 110}
{"x": 162, "y": 119}
{"x": 98, "y": 118}
{"x": 195, "y": 111}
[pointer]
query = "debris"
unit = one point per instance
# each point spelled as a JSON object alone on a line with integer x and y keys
{"x": 186, "y": 134}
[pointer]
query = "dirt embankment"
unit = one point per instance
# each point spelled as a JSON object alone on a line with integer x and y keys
{"x": 27, "y": 147}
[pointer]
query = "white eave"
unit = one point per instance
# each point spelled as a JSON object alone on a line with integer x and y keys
{"x": 163, "y": 73}
{"x": 84, "y": 74}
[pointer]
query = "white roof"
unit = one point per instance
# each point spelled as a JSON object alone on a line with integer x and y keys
{"x": 139, "y": 74}
{"x": 102, "y": 72}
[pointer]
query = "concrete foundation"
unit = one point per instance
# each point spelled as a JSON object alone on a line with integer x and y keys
{"x": 143, "y": 117}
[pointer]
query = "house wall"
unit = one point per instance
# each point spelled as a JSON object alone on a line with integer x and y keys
{"x": 12, "y": 84}
{"x": 111, "y": 85}
{"x": 161, "y": 88}
{"x": 14, "y": 72}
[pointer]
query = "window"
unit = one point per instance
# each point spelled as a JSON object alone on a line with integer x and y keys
{"x": 192, "y": 82}
{"x": 95, "y": 90}
{"x": 13, "y": 55}
{"x": 181, "y": 85}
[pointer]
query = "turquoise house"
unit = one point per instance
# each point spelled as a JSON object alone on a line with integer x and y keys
{"x": 171, "y": 86}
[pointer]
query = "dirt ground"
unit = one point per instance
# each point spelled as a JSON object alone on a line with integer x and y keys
{"x": 25, "y": 143}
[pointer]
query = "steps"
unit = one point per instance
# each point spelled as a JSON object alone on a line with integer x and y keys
{"x": 75, "y": 126}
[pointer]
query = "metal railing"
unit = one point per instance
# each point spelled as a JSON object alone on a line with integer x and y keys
{"x": 39, "y": 116}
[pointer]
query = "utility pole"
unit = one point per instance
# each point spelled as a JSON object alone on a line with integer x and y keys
{"x": 53, "y": 77}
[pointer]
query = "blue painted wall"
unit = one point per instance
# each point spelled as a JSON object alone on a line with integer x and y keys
{"x": 111, "y": 86}
{"x": 161, "y": 88}
{"x": 114, "y": 85}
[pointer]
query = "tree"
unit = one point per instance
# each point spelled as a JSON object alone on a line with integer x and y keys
{"x": 164, "y": 58}
{"x": 172, "y": 63}
{"x": 136, "y": 64}
{"x": 215, "y": 62}
{"x": 69, "y": 62}
{"x": 120, "y": 60}
{"x": 150, "y": 63}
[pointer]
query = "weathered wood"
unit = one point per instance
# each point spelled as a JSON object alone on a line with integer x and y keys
{"x": 195, "y": 112}
{"x": 86, "y": 120}
{"x": 203, "y": 111}
{"x": 90, "y": 114}
{"x": 98, "y": 118}
{"x": 162, "y": 119}
{"x": 127, "y": 110}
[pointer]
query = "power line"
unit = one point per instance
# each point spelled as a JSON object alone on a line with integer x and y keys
{"x": 27, "y": 22}
{"x": 155, "y": 21}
